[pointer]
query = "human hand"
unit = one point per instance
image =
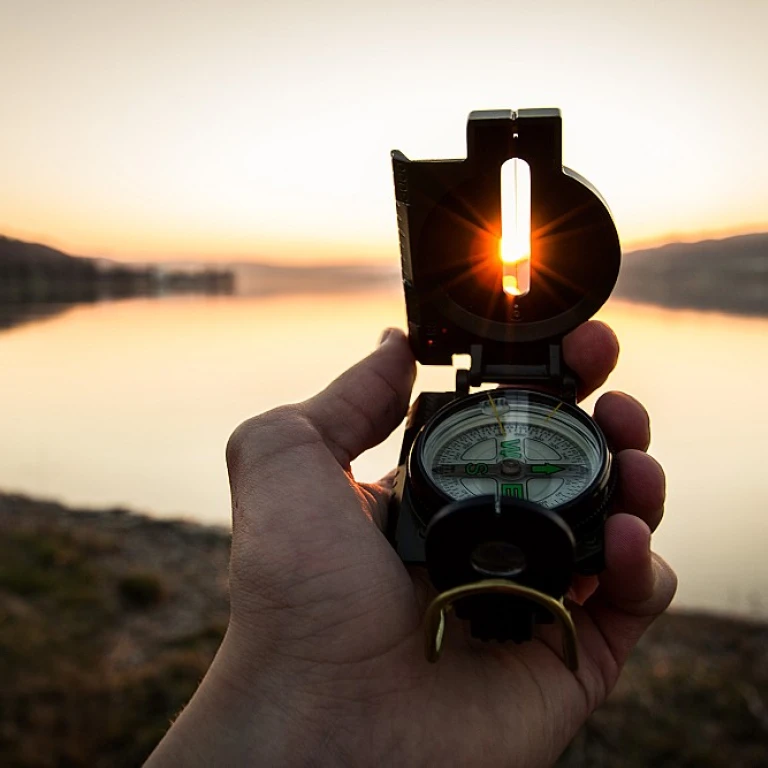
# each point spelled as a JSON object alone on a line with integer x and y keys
{"x": 323, "y": 661}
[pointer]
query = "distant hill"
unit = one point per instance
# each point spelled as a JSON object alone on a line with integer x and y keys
{"x": 37, "y": 281}
{"x": 729, "y": 275}
{"x": 34, "y": 273}
{"x": 22, "y": 262}
{"x": 19, "y": 252}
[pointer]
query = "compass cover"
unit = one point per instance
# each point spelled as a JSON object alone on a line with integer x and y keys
{"x": 450, "y": 225}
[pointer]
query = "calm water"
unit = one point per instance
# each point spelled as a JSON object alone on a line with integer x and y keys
{"x": 130, "y": 403}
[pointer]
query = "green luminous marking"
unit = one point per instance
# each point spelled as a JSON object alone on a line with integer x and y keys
{"x": 546, "y": 469}
{"x": 510, "y": 449}
{"x": 512, "y": 489}
{"x": 477, "y": 469}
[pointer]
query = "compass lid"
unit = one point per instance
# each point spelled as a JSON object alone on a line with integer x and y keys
{"x": 451, "y": 226}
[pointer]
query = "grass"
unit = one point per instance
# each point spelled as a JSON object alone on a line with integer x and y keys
{"x": 141, "y": 590}
{"x": 108, "y": 621}
{"x": 103, "y": 635}
{"x": 32, "y": 564}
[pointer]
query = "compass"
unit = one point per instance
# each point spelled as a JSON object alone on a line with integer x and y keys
{"x": 502, "y": 494}
{"x": 519, "y": 444}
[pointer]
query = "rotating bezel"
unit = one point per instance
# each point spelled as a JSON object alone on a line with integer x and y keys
{"x": 582, "y": 513}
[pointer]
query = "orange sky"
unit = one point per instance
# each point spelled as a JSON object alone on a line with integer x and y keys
{"x": 227, "y": 129}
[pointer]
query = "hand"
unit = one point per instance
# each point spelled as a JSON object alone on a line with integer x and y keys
{"x": 323, "y": 661}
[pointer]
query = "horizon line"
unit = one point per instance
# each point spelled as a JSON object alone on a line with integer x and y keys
{"x": 671, "y": 238}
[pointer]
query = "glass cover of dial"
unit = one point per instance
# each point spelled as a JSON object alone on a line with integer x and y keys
{"x": 517, "y": 444}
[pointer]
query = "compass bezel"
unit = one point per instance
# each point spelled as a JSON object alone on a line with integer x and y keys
{"x": 581, "y": 512}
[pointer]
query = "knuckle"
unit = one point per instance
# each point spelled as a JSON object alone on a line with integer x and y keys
{"x": 236, "y": 441}
{"x": 254, "y": 435}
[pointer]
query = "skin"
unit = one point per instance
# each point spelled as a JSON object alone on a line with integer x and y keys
{"x": 323, "y": 661}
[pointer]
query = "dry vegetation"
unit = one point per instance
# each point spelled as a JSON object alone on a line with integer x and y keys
{"x": 108, "y": 621}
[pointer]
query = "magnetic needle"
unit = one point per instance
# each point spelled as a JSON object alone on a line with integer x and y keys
{"x": 502, "y": 494}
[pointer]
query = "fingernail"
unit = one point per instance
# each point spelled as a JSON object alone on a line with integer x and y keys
{"x": 385, "y": 334}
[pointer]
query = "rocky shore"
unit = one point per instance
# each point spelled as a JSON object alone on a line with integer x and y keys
{"x": 108, "y": 621}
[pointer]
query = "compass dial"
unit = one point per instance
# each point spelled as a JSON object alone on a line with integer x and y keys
{"x": 514, "y": 443}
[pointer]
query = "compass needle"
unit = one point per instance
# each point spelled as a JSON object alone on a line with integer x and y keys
{"x": 554, "y": 411}
{"x": 496, "y": 414}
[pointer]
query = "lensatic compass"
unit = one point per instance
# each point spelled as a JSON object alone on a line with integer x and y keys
{"x": 502, "y": 493}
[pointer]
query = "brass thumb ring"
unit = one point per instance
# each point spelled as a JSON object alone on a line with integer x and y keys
{"x": 434, "y": 621}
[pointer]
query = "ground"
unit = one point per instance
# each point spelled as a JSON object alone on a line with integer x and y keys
{"x": 108, "y": 621}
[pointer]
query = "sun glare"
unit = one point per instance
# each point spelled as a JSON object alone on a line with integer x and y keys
{"x": 515, "y": 243}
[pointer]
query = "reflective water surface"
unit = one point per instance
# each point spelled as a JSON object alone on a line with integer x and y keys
{"x": 130, "y": 403}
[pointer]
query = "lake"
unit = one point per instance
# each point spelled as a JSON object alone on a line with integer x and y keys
{"x": 130, "y": 403}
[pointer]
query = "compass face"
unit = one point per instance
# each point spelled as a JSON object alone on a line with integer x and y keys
{"x": 513, "y": 443}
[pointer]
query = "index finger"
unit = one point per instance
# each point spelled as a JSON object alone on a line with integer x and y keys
{"x": 591, "y": 352}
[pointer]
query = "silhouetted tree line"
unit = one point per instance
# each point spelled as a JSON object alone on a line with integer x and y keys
{"x": 35, "y": 273}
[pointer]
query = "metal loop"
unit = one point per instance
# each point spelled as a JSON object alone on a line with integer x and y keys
{"x": 434, "y": 621}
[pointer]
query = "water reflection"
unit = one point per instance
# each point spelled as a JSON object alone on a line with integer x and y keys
{"x": 131, "y": 403}
{"x": 24, "y": 312}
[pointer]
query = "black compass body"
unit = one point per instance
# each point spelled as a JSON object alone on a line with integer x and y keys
{"x": 513, "y": 482}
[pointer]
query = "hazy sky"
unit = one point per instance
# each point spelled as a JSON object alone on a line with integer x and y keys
{"x": 232, "y": 129}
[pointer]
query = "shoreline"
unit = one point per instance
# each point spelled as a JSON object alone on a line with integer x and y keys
{"x": 109, "y": 619}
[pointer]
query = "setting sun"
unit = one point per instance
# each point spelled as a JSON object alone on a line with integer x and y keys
{"x": 515, "y": 245}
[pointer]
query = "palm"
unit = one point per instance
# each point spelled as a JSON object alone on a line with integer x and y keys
{"x": 362, "y": 621}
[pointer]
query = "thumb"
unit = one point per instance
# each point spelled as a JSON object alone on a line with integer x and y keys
{"x": 360, "y": 408}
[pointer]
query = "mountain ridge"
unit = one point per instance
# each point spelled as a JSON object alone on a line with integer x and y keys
{"x": 727, "y": 275}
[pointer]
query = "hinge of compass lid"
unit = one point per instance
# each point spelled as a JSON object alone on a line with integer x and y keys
{"x": 536, "y": 365}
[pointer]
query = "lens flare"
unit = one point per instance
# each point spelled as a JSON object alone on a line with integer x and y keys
{"x": 515, "y": 243}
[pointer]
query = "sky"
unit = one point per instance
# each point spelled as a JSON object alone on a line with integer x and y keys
{"x": 227, "y": 130}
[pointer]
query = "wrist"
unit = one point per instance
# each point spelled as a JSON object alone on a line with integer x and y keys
{"x": 245, "y": 713}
